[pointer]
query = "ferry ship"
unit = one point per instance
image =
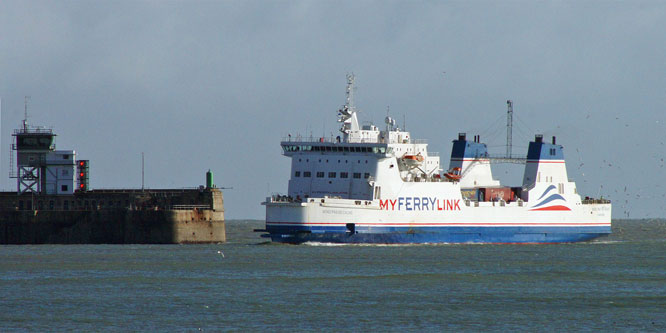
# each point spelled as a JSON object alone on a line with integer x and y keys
{"x": 372, "y": 185}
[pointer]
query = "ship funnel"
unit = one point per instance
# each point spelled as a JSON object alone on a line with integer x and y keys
{"x": 545, "y": 163}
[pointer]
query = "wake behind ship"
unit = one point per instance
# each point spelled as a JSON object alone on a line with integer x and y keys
{"x": 374, "y": 185}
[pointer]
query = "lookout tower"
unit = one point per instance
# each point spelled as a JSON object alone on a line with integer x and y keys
{"x": 39, "y": 167}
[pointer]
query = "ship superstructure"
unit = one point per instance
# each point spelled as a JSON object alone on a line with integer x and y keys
{"x": 372, "y": 185}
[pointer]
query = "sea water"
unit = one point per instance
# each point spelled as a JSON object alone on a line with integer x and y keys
{"x": 614, "y": 283}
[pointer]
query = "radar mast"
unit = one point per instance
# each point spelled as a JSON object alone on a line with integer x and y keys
{"x": 347, "y": 115}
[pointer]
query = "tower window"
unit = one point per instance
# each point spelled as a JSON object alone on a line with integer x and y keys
{"x": 307, "y": 174}
{"x": 331, "y": 175}
{"x": 344, "y": 175}
{"x": 297, "y": 174}
{"x": 357, "y": 175}
{"x": 320, "y": 174}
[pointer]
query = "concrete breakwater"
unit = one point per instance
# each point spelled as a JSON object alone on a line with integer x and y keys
{"x": 113, "y": 217}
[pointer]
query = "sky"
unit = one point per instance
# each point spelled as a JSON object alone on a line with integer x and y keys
{"x": 198, "y": 85}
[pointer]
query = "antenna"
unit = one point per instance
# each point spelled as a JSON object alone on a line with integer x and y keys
{"x": 142, "y": 174}
{"x": 350, "y": 91}
{"x": 25, "y": 118}
{"x": 509, "y": 127}
{"x": 1, "y": 130}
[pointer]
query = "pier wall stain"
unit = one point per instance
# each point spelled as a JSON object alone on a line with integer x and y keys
{"x": 114, "y": 217}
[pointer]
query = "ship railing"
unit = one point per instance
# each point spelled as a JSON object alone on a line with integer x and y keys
{"x": 191, "y": 207}
{"x": 284, "y": 198}
{"x": 312, "y": 139}
{"x": 592, "y": 201}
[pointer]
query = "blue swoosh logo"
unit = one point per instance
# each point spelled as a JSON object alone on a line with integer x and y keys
{"x": 549, "y": 199}
{"x": 550, "y": 188}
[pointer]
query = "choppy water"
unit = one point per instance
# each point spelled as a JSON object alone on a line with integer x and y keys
{"x": 617, "y": 283}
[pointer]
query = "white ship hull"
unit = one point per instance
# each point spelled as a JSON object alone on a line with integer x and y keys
{"x": 447, "y": 221}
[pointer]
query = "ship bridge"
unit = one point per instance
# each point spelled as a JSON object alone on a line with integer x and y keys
{"x": 291, "y": 147}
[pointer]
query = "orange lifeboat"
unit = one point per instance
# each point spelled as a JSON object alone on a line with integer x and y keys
{"x": 454, "y": 174}
{"x": 413, "y": 161}
{"x": 414, "y": 158}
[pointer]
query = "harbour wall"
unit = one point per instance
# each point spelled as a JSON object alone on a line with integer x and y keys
{"x": 114, "y": 217}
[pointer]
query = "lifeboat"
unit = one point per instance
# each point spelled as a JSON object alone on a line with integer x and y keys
{"x": 454, "y": 174}
{"x": 416, "y": 158}
{"x": 413, "y": 160}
